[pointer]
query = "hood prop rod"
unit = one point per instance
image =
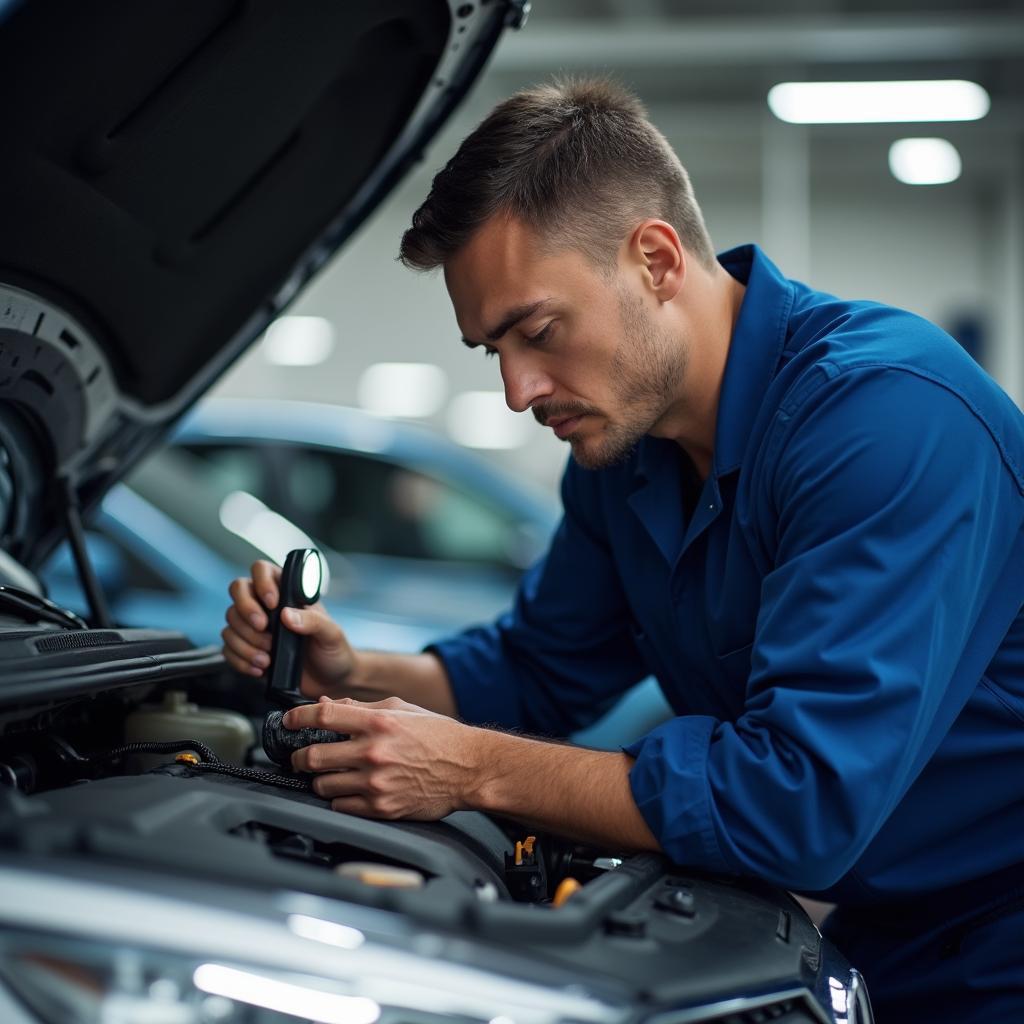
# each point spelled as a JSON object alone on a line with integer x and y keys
{"x": 86, "y": 574}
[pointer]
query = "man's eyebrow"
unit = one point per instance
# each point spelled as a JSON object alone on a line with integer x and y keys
{"x": 511, "y": 318}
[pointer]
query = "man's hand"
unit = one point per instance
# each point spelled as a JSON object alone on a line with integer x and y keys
{"x": 404, "y": 762}
{"x": 401, "y": 761}
{"x": 332, "y": 668}
{"x": 330, "y": 659}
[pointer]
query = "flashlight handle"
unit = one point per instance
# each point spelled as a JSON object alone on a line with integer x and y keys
{"x": 287, "y": 648}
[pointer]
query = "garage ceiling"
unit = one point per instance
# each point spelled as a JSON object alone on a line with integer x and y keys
{"x": 730, "y": 51}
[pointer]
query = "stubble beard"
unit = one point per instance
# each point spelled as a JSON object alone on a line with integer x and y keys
{"x": 646, "y": 372}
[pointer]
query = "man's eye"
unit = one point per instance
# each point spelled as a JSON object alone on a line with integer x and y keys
{"x": 542, "y": 335}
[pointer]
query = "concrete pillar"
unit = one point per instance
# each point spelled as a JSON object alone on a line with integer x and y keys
{"x": 786, "y": 196}
{"x": 1007, "y": 343}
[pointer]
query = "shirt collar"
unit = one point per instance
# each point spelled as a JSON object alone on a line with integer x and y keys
{"x": 755, "y": 349}
{"x": 754, "y": 352}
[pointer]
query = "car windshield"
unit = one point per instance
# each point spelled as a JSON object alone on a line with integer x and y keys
{"x": 361, "y": 505}
{"x": 232, "y": 522}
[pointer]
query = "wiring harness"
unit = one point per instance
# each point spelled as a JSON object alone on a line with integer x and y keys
{"x": 204, "y": 760}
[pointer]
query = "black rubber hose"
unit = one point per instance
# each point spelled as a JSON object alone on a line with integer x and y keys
{"x": 208, "y": 762}
{"x": 300, "y": 783}
{"x": 158, "y": 747}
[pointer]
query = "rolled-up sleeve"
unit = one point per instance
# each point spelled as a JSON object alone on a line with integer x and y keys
{"x": 896, "y": 523}
{"x": 563, "y": 654}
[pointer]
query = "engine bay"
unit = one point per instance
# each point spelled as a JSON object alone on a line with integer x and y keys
{"x": 78, "y": 796}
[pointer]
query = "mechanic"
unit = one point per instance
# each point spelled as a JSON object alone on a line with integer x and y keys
{"x": 804, "y": 516}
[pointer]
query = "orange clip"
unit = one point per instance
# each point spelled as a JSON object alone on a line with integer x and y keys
{"x": 566, "y": 888}
{"x": 525, "y": 847}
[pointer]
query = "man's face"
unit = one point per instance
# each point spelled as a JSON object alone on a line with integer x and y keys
{"x": 577, "y": 346}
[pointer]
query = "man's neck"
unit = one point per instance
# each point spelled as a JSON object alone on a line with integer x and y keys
{"x": 692, "y": 423}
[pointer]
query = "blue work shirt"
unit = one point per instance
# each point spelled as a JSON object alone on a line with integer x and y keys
{"x": 838, "y": 624}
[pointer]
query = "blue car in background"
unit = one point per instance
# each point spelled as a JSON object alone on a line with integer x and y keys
{"x": 420, "y": 536}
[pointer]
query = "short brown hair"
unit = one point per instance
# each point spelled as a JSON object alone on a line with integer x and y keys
{"x": 576, "y": 159}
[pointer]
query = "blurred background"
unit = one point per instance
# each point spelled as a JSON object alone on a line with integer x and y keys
{"x": 821, "y": 199}
{"x": 426, "y": 495}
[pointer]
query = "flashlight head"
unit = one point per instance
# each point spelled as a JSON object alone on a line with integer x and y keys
{"x": 311, "y": 576}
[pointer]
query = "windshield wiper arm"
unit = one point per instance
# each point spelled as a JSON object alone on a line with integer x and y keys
{"x": 38, "y": 609}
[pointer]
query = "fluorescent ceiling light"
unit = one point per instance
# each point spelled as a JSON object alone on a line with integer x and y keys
{"x": 481, "y": 419}
{"x": 924, "y": 161}
{"x": 402, "y": 389}
{"x": 298, "y": 341}
{"x": 877, "y": 102}
{"x": 294, "y": 1000}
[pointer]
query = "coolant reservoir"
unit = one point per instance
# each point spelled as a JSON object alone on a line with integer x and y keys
{"x": 227, "y": 733}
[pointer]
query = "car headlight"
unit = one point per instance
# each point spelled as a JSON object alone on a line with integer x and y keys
{"x": 77, "y": 951}
{"x": 71, "y": 981}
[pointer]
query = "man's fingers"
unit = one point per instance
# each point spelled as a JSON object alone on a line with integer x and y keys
{"x": 328, "y": 757}
{"x": 245, "y": 652}
{"x": 387, "y": 704}
{"x": 345, "y": 715}
{"x": 244, "y": 599}
{"x": 265, "y": 579}
{"x": 240, "y": 664}
{"x": 335, "y": 784}
{"x": 258, "y": 638}
{"x": 358, "y": 805}
{"x": 314, "y": 622}
{"x": 306, "y": 621}
{"x": 366, "y": 805}
{"x": 353, "y": 792}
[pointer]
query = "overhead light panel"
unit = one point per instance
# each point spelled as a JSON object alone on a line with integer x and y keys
{"x": 878, "y": 102}
{"x": 298, "y": 341}
{"x": 402, "y": 389}
{"x": 481, "y": 419}
{"x": 924, "y": 161}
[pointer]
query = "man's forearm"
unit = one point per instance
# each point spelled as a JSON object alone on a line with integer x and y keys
{"x": 405, "y": 762}
{"x": 420, "y": 679}
{"x": 584, "y": 794}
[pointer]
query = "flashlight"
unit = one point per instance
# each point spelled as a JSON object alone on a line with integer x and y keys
{"x": 301, "y": 579}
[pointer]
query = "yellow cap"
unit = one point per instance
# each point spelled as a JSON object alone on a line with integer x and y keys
{"x": 566, "y": 888}
{"x": 387, "y": 876}
{"x": 187, "y": 758}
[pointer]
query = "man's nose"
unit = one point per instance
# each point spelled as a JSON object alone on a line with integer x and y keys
{"x": 524, "y": 384}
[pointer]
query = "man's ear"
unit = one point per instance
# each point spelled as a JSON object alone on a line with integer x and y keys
{"x": 655, "y": 248}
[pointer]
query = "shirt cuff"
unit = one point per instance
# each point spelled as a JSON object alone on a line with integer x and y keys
{"x": 670, "y": 787}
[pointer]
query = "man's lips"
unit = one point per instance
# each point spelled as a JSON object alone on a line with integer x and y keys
{"x": 564, "y": 426}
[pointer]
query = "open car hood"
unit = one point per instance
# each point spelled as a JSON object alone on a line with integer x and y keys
{"x": 174, "y": 173}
